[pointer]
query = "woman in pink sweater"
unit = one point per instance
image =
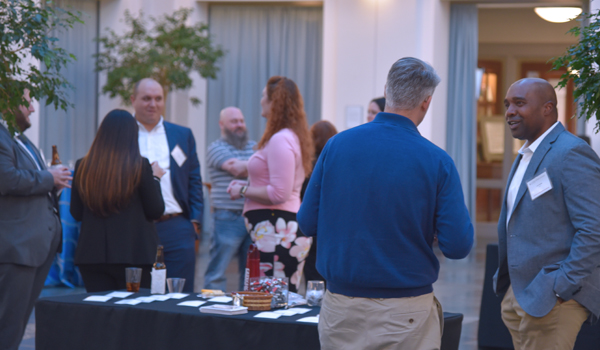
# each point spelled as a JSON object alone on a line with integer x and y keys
{"x": 275, "y": 175}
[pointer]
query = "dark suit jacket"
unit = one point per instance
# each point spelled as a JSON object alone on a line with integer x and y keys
{"x": 27, "y": 212}
{"x": 126, "y": 237}
{"x": 186, "y": 179}
{"x": 552, "y": 244}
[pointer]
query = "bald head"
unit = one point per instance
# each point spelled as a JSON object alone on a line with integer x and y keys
{"x": 541, "y": 90}
{"x": 530, "y": 108}
{"x": 148, "y": 102}
{"x": 233, "y": 126}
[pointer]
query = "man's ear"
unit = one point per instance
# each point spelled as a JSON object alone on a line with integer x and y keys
{"x": 132, "y": 98}
{"x": 385, "y": 91}
{"x": 426, "y": 103}
{"x": 548, "y": 108}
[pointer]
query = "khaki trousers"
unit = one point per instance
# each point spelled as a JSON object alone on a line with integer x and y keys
{"x": 347, "y": 323}
{"x": 556, "y": 331}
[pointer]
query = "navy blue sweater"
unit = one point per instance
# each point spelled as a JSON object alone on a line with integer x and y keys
{"x": 377, "y": 196}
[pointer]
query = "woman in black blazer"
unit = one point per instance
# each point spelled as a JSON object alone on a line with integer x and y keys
{"x": 116, "y": 195}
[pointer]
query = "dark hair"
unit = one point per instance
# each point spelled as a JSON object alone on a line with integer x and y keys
{"x": 287, "y": 111}
{"x": 110, "y": 172}
{"x": 380, "y": 102}
{"x": 321, "y": 132}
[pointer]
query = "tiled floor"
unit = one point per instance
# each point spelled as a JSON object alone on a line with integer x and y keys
{"x": 458, "y": 289}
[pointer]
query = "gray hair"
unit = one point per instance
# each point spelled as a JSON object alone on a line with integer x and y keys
{"x": 409, "y": 82}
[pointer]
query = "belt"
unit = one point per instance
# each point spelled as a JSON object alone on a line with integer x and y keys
{"x": 167, "y": 217}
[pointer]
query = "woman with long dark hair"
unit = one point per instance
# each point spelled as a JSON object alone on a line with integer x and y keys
{"x": 275, "y": 176}
{"x": 116, "y": 196}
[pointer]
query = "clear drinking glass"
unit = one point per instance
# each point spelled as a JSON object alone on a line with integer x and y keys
{"x": 315, "y": 292}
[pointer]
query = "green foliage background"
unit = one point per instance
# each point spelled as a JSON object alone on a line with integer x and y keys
{"x": 26, "y": 31}
{"x": 582, "y": 62}
{"x": 167, "y": 52}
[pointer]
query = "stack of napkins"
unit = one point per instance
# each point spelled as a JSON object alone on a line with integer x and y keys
{"x": 224, "y": 309}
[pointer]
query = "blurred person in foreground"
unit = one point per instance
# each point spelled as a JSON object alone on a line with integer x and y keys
{"x": 376, "y": 105}
{"x": 227, "y": 159}
{"x": 549, "y": 226}
{"x": 321, "y": 132}
{"x": 173, "y": 148}
{"x": 116, "y": 196}
{"x": 275, "y": 176}
{"x": 377, "y": 197}
{"x": 30, "y": 229}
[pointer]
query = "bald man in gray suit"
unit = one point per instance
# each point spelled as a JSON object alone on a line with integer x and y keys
{"x": 30, "y": 230}
{"x": 549, "y": 228}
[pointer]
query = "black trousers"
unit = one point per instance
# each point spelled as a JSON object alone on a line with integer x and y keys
{"x": 20, "y": 286}
{"x": 105, "y": 277}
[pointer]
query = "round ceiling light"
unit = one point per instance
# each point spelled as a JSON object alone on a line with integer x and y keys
{"x": 558, "y": 14}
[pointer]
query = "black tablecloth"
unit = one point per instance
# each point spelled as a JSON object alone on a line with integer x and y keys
{"x": 68, "y": 322}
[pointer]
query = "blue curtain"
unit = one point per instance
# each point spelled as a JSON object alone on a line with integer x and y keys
{"x": 462, "y": 102}
{"x": 73, "y": 131}
{"x": 261, "y": 41}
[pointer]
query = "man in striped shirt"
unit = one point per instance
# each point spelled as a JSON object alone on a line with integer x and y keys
{"x": 227, "y": 158}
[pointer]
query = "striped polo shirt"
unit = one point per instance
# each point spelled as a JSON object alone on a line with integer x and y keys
{"x": 218, "y": 153}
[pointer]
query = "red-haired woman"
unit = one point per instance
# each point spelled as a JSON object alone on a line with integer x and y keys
{"x": 116, "y": 196}
{"x": 275, "y": 176}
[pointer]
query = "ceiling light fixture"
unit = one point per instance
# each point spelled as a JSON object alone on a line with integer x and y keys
{"x": 558, "y": 14}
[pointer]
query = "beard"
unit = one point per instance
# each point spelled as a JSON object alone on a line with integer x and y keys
{"x": 237, "y": 140}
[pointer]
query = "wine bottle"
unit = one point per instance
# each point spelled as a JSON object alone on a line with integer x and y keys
{"x": 55, "y": 157}
{"x": 159, "y": 272}
{"x": 252, "y": 265}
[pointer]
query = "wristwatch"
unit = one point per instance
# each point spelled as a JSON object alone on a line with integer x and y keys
{"x": 243, "y": 191}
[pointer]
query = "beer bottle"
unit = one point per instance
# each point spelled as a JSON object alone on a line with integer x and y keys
{"x": 55, "y": 157}
{"x": 159, "y": 264}
{"x": 159, "y": 273}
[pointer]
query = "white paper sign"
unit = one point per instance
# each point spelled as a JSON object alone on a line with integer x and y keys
{"x": 192, "y": 303}
{"x": 268, "y": 314}
{"x": 220, "y": 299}
{"x": 301, "y": 310}
{"x": 119, "y": 294}
{"x": 310, "y": 319}
{"x": 146, "y": 299}
{"x": 159, "y": 280}
{"x": 178, "y": 155}
{"x": 539, "y": 185}
{"x": 289, "y": 312}
{"x": 98, "y": 298}
{"x": 129, "y": 302}
{"x": 177, "y": 295}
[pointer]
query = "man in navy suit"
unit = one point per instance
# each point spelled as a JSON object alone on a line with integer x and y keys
{"x": 549, "y": 228}
{"x": 173, "y": 148}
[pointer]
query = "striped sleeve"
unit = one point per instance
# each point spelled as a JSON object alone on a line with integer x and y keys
{"x": 217, "y": 154}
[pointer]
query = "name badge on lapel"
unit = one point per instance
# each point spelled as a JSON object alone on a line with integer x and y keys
{"x": 178, "y": 155}
{"x": 539, "y": 185}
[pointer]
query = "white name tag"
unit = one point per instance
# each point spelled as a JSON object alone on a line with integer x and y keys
{"x": 178, "y": 155}
{"x": 539, "y": 185}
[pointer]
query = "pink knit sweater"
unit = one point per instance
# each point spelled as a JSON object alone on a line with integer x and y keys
{"x": 279, "y": 167}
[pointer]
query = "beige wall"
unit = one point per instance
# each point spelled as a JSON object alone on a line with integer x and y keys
{"x": 362, "y": 38}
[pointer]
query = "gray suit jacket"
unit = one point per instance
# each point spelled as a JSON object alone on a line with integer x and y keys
{"x": 28, "y": 218}
{"x": 552, "y": 244}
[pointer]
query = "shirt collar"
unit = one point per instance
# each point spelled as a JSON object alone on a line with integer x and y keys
{"x": 395, "y": 119}
{"x": 157, "y": 127}
{"x": 531, "y": 148}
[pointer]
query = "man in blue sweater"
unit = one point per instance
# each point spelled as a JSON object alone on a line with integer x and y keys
{"x": 379, "y": 196}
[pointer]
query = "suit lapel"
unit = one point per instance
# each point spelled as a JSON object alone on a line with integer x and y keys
{"x": 536, "y": 160}
{"x": 503, "y": 213}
